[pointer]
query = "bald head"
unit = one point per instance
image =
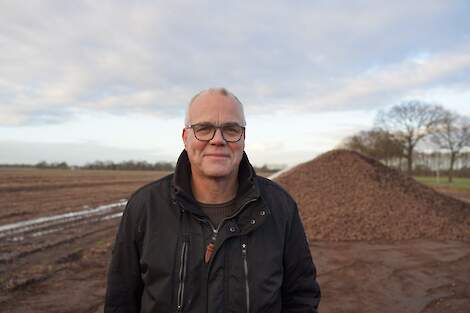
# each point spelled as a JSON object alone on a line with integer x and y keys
{"x": 214, "y": 91}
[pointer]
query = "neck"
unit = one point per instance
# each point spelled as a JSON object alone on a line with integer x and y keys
{"x": 214, "y": 190}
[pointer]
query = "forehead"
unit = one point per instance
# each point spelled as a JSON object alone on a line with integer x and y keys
{"x": 215, "y": 108}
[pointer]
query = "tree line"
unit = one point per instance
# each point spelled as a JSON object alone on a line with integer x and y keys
{"x": 124, "y": 165}
{"x": 101, "y": 165}
{"x": 416, "y": 131}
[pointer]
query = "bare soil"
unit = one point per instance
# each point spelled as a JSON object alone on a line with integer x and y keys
{"x": 343, "y": 195}
{"x": 31, "y": 193}
{"x": 417, "y": 275}
{"x": 63, "y": 269}
{"x": 59, "y": 265}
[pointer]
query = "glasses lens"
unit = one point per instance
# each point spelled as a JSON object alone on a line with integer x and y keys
{"x": 232, "y": 132}
{"x": 204, "y": 131}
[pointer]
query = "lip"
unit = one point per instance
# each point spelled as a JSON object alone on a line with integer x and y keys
{"x": 217, "y": 155}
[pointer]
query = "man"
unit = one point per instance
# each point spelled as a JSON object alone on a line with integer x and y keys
{"x": 213, "y": 236}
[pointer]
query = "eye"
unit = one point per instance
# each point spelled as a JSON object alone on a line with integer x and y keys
{"x": 231, "y": 129}
{"x": 204, "y": 128}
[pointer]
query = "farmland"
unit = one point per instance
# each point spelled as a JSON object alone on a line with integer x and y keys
{"x": 63, "y": 259}
{"x": 59, "y": 265}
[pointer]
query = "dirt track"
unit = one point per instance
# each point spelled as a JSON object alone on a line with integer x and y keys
{"x": 64, "y": 270}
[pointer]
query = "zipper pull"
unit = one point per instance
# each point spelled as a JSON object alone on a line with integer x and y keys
{"x": 209, "y": 252}
{"x": 211, "y": 246}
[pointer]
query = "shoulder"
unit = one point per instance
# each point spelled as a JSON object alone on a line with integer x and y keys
{"x": 275, "y": 195}
{"x": 157, "y": 189}
{"x": 274, "y": 189}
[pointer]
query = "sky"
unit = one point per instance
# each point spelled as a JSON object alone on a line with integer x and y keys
{"x": 110, "y": 80}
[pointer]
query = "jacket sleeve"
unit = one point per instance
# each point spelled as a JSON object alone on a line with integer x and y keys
{"x": 124, "y": 285}
{"x": 300, "y": 289}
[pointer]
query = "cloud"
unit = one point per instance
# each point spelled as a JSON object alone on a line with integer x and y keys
{"x": 60, "y": 58}
{"x": 385, "y": 85}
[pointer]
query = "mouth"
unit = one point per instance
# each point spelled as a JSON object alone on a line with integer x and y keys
{"x": 217, "y": 155}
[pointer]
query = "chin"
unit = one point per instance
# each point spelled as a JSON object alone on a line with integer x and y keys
{"x": 217, "y": 171}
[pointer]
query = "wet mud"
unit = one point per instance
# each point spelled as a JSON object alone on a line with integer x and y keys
{"x": 55, "y": 260}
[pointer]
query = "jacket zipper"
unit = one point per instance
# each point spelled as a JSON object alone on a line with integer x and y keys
{"x": 211, "y": 248}
{"x": 215, "y": 231}
{"x": 182, "y": 276}
{"x": 211, "y": 245}
{"x": 245, "y": 267}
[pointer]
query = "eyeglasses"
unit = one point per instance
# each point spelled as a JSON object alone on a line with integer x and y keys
{"x": 206, "y": 131}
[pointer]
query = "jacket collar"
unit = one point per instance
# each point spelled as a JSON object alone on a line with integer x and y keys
{"x": 181, "y": 183}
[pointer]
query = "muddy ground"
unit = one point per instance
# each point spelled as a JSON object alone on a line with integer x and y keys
{"x": 60, "y": 265}
{"x": 30, "y": 193}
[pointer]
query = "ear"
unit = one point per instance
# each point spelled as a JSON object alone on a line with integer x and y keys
{"x": 244, "y": 139}
{"x": 184, "y": 136}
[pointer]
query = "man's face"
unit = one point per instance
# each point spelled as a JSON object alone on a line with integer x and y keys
{"x": 215, "y": 158}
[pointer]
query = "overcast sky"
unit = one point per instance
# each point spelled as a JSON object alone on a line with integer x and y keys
{"x": 110, "y": 80}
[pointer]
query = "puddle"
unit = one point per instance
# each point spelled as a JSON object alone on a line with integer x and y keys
{"x": 71, "y": 215}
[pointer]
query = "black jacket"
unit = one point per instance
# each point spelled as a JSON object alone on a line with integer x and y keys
{"x": 258, "y": 261}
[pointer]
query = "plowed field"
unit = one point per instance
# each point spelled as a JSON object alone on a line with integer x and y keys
{"x": 56, "y": 260}
{"x": 56, "y": 230}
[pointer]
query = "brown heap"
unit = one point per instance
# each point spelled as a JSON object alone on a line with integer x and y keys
{"x": 343, "y": 195}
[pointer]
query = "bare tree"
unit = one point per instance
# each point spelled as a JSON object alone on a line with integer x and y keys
{"x": 410, "y": 122}
{"x": 356, "y": 142}
{"x": 376, "y": 143}
{"x": 453, "y": 134}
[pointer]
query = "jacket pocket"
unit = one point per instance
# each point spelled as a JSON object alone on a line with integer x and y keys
{"x": 182, "y": 276}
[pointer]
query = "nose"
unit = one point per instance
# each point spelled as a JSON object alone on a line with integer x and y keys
{"x": 218, "y": 139}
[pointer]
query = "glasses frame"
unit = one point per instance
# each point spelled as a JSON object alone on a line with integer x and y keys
{"x": 215, "y": 131}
